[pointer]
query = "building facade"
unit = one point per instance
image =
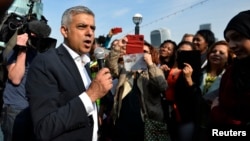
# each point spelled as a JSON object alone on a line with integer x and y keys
{"x": 21, "y": 7}
{"x": 159, "y": 35}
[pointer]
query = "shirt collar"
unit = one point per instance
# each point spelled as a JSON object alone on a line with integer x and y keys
{"x": 84, "y": 57}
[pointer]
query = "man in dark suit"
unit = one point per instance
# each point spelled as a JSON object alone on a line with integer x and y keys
{"x": 61, "y": 94}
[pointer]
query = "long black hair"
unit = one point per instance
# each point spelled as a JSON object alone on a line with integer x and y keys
{"x": 171, "y": 61}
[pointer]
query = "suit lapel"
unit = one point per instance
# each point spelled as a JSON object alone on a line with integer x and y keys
{"x": 69, "y": 63}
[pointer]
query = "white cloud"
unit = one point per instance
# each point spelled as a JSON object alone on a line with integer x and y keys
{"x": 121, "y": 12}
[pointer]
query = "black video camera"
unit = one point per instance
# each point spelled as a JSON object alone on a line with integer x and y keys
{"x": 30, "y": 25}
{"x": 38, "y": 30}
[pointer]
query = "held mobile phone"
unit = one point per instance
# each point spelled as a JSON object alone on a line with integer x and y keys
{"x": 191, "y": 57}
{"x": 135, "y": 44}
{"x": 116, "y": 30}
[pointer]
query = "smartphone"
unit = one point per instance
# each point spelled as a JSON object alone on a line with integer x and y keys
{"x": 116, "y": 30}
{"x": 191, "y": 57}
{"x": 135, "y": 44}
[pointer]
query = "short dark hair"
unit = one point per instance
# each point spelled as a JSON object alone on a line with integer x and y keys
{"x": 186, "y": 43}
{"x": 208, "y": 35}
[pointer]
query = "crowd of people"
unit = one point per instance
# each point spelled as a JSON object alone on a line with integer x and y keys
{"x": 199, "y": 87}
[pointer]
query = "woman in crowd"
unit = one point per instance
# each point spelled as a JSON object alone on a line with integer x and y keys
{"x": 202, "y": 40}
{"x": 167, "y": 55}
{"x": 219, "y": 56}
{"x": 133, "y": 89}
{"x": 230, "y": 111}
{"x": 183, "y": 90}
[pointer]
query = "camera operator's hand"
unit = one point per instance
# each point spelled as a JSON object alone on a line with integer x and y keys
{"x": 22, "y": 40}
{"x": 101, "y": 84}
{"x": 16, "y": 70}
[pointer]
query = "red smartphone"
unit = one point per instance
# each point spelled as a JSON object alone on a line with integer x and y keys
{"x": 135, "y": 44}
{"x": 116, "y": 30}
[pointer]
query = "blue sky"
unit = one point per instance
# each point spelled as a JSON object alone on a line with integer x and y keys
{"x": 179, "y": 16}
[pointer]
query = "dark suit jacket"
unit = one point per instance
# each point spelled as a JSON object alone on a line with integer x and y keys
{"x": 53, "y": 85}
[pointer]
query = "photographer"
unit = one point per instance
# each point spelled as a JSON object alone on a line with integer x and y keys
{"x": 16, "y": 119}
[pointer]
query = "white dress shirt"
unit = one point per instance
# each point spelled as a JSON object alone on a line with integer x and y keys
{"x": 90, "y": 106}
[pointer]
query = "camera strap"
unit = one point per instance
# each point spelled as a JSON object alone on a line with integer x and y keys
{"x": 9, "y": 46}
{"x": 4, "y": 20}
{"x": 12, "y": 41}
{"x": 1, "y": 25}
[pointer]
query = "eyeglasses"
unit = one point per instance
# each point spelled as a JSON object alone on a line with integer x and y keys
{"x": 145, "y": 51}
{"x": 124, "y": 42}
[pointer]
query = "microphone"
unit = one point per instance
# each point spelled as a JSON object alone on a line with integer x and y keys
{"x": 99, "y": 54}
{"x": 41, "y": 29}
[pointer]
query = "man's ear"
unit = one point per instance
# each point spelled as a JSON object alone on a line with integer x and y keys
{"x": 64, "y": 31}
